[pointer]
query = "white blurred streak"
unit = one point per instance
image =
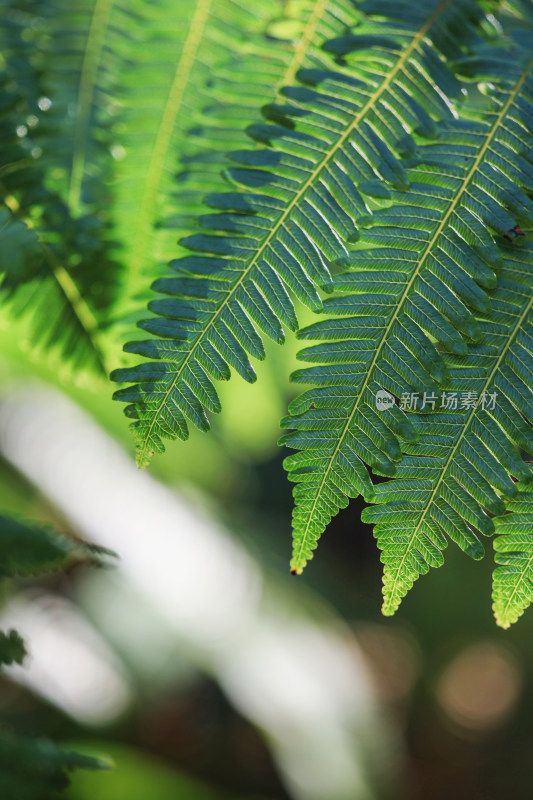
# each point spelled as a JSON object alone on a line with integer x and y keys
{"x": 68, "y": 663}
{"x": 306, "y": 685}
{"x": 168, "y": 548}
{"x": 303, "y": 684}
{"x": 125, "y": 616}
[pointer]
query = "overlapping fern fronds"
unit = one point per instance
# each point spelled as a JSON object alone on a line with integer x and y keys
{"x": 297, "y": 207}
{"x": 73, "y": 275}
{"x": 417, "y": 279}
{"x": 270, "y": 59}
{"x": 163, "y": 99}
{"x": 395, "y": 146}
{"x": 459, "y": 472}
{"x": 35, "y": 280}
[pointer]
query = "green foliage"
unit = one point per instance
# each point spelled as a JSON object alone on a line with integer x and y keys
{"x": 422, "y": 271}
{"x": 19, "y": 248}
{"x": 387, "y": 187}
{"x": 272, "y": 235}
{"x": 189, "y": 121}
{"x": 294, "y": 42}
{"x": 31, "y": 550}
{"x": 35, "y": 769}
{"x": 136, "y": 775}
{"x": 457, "y": 474}
{"x": 12, "y": 648}
{"x": 61, "y": 285}
{"x": 32, "y": 769}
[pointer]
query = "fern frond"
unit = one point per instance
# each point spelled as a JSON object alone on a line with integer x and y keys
{"x": 297, "y": 207}
{"x": 27, "y": 549}
{"x": 418, "y": 277}
{"x": 512, "y": 589}
{"x": 458, "y": 474}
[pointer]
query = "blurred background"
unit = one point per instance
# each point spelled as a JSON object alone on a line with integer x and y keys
{"x": 196, "y": 663}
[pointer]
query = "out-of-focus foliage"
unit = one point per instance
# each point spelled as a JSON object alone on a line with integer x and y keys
{"x": 12, "y": 648}
{"x": 35, "y": 769}
{"x": 30, "y": 550}
{"x": 31, "y": 769}
{"x": 135, "y": 775}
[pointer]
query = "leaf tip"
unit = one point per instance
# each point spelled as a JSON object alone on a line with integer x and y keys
{"x": 502, "y": 623}
{"x": 370, "y": 496}
{"x": 388, "y": 609}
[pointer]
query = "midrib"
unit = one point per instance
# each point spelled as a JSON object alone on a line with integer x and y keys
{"x": 164, "y": 134}
{"x": 297, "y": 197}
{"x": 89, "y": 71}
{"x": 79, "y": 306}
{"x": 466, "y": 182}
{"x": 301, "y": 50}
{"x": 67, "y": 286}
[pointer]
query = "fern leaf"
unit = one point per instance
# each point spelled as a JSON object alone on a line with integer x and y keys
{"x": 513, "y": 579}
{"x": 458, "y": 474}
{"x": 418, "y": 277}
{"x": 12, "y": 649}
{"x": 296, "y": 209}
{"x": 27, "y": 549}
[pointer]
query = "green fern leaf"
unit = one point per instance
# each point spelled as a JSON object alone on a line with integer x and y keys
{"x": 513, "y": 580}
{"x": 460, "y": 467}
{"x": 297, "y": 207}
{"x": 81, "y": 64}
{"x": 418, "y": 277}
{"x": 27, "y": 549}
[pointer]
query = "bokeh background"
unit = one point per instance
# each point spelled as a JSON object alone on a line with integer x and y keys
{"x": 196, "y": 664}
